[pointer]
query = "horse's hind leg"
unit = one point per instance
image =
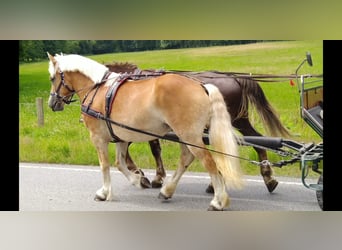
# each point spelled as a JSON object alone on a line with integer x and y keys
{"x": 266, "y": 170}
{"x": 157, "y": 182}
{"x": 169, "y": 187}
{"x": 221, "y": 199}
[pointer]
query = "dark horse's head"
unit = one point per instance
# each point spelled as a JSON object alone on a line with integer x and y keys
{"x": 60, "y": 92}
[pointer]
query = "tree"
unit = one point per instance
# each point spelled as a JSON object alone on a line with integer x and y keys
{"x": 31, "y": 50}
{"x": 86, "y": 47}
{"x": 34, "y": 50}
{"x": 103, "y": 46}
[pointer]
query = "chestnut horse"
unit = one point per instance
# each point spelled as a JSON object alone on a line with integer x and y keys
{"x": 158, "y": 105}
{"x": 238, "y": 92}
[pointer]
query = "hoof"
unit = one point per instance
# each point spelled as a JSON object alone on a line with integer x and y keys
{"x": 212, "y": 208}
{"x": 157, "y": 184}
{"x": 145, "y": 183}
{"x": 210, "y": 189}
{"x": 162, "y": 196}
{"x": 271, "y": 185}
{"x": 99, "y": 198}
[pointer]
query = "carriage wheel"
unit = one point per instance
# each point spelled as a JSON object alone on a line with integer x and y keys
{"x": 319, "y": 194}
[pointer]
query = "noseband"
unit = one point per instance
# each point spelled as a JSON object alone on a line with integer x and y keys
{"x": 68, "y": 98}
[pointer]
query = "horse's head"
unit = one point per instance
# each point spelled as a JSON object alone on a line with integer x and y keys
{"x": 61, "y": 93}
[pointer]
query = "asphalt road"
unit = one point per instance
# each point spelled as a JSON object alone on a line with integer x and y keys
{"x": 52, "y": 187}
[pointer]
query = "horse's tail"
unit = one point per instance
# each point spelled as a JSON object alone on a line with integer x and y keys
{"x": 222, "y": 139}
{"x": 253, "y": 93}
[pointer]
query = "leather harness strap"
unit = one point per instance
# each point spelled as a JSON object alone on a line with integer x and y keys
{"x": 111, "y": 93}
{"x": 109, "y": 98}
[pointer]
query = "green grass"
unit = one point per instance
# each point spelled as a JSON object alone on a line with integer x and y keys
{"x": 63, "y": 139}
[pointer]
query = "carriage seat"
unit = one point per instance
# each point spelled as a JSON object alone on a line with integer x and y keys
{"x": 314, "y": 117}
{"x": 312, "y": 108}
{"x": 315, "y": 113}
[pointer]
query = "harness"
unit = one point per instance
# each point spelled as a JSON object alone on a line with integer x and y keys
{"x": 110, "y": 96}
{"x": 269, "y": 144}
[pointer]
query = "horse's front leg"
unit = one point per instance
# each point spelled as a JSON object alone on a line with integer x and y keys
{"x": 136, "y": 178}
{"x": 105, "y": 192}
{"x": 158, "y": 180}
{"x": 145, "y": 183}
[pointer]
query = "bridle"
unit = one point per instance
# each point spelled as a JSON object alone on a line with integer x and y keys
{"x": 68, "y": 98}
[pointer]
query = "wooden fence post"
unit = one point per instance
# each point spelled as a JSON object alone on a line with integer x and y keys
{"x": 40, "y": 111}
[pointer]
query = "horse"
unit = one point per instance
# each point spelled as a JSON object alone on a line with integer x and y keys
{"x": 238, "y": 93}
{"x": 157, "y": 105}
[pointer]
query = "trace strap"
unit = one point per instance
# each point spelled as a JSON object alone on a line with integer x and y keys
{"x": 166, "y": 137}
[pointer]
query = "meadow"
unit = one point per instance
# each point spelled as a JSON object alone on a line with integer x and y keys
{"x": 63, "y": 139}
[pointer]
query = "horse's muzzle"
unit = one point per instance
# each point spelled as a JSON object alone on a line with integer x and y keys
{"x": 55, "y": 103}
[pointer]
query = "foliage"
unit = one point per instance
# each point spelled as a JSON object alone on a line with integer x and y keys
{"x": 35, "y": 50}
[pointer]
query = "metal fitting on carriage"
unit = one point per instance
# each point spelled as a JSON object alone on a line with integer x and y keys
{"x": 265, "y": 163}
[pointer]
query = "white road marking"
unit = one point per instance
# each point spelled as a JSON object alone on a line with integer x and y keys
{"x": 33, "y": 166}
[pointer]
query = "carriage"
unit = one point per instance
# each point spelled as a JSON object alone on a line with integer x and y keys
{"x": 311, "y": 111}
{"x": 154, "y": 115}
{"x": 309, "y": 155}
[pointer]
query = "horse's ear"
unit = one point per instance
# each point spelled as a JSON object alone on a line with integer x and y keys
{"x": 51, "y": 58}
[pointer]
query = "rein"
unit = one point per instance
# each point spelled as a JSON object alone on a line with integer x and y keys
{"x": 169, "y": 136}
{"x": 256, "y": 77}
{"x": 174, "y": 138}
{"x": 165, "y": 137}
{"x": 110, "y": 97}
